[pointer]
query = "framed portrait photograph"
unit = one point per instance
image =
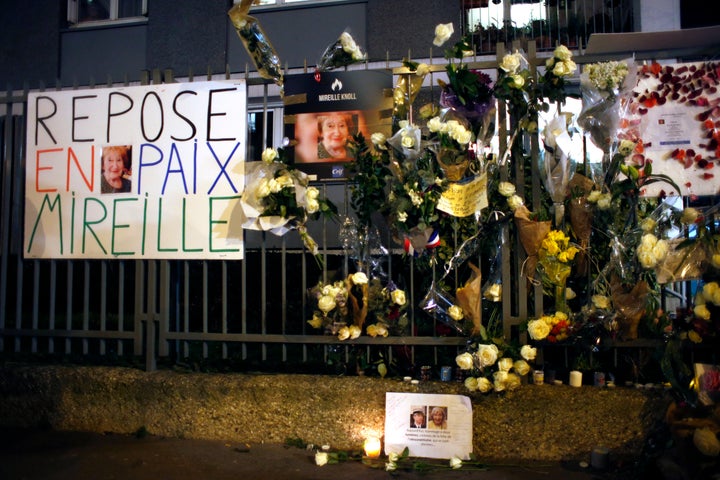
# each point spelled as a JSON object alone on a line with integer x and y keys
{"x": 324, "y": 110}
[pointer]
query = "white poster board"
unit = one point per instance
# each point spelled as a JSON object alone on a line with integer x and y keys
{"x": 180, "y": 148}
{"x": 435, "y": 437}
{"x": 671, "y": 113}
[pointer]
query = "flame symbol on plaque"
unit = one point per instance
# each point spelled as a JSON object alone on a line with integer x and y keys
{"x": 336, "y": 85}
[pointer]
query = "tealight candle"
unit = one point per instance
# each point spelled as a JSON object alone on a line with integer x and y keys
{"x": 575, "y": 378}
{"x": 372, "y": 447}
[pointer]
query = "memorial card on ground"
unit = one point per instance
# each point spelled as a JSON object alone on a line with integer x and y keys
{"x": 429, "y": 425}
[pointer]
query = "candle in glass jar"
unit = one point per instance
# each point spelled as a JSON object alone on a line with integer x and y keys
{"x": 575, "y": 378}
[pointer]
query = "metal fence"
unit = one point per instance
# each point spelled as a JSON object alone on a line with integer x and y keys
{"x": 248, "y": 314}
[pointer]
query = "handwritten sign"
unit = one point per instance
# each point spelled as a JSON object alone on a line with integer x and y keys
{"x": 136, "y": 172}
{"x": 429, "y": 425}
{"x": 463, "y": 199}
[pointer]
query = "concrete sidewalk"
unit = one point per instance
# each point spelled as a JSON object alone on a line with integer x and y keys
{"x": 50, "y": 455}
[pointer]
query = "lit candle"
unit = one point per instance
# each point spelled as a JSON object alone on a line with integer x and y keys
{"x": 372, "y": 447}
{"x": 575, "y": 378}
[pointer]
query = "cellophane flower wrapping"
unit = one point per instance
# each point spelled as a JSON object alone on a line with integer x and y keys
{"x": 254, "y": 200}
{"x": 605, "y": 89}
{"x": 469, "y": 298}
{"x": 557, "y": 162}
{"x": 581, "y": 213}
{"x": 256, "y": 42}
{"x": 531, "y": 233}
{"x": 343, "y": 52}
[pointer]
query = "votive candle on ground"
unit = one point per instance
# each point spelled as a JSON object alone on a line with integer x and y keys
{"x": 372, "y": 447}
{"x": 575, "y": 378}
{"x": 599, "y": 458}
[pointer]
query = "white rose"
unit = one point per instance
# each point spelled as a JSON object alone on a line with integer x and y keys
{"x": 484, "y": 385}
{"x": 506, "y": 189}
{"x": 515, "y": 202}
{"x": 512, "y": 381}
{"x": 562, "y": 53}
{"x": 505, "y": 364}
{"x": 605, "y": 201}
{"x": 263, "y": 189}
{"x": 499, "y": 380}
{"x": 321, "y": 458}
{"x": 274, "y": 185}
{"x": 408, "y": 141}
{"x": 528, "y": 353}
{"x": 487, "y": 354}
{"x": 422, "y": 69}
{"x": 312, "y": 205}
{"x": 471, "y": 383}
{"x": 381, "y": 330}
{"x": 464, "y": 361}
{"x": 326, "y": 303}
{"x": 312, "y": 193}
{"x": 455, "y": 312}
{"x": 455, "y": 463}
{"x": 463, "y": 137}
{"x": 521, "y": 367}
{"x": 398, "y": 296}
{"x": 517, "y": 81}
{"x": 359, "y": 278}
{"x": 538, "y": 329}
{"x": 285, "y": 181}
{"x": 435, "y": 124}
{"x": 378, "y": 139}
{"x": 390, "y": 466}
{"x": 402, "y": 217}
{"x": 269, "y": 155}
{"x": 510, "y": 63}
{"x": 626, "y": 147}
{"x": 443, "y": 31}
{"x": 561, "y": 69}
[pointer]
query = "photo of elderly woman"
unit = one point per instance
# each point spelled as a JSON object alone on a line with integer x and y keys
{"x": 116, "y": 169}
{"x": 323, "y": 137}
{"x": 438, "y": 418}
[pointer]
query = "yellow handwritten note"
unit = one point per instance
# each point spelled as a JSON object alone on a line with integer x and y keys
{"x": 463, "y": 199}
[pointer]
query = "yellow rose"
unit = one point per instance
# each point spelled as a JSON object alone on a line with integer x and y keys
{"x": 263, "y": 189}
{"x": 422, "y": 70}
{"x": 407, "y": 141}
{"x": 561, "y": 69}
{"x": 499, "y": 380}
{"x": 381, "y": 329}
{"x": 689, "y": 216}
{"x": 316, "y": 321}
{"x": 694, "y": 337}
{"x": 398, "y": 297}
{"x": 601, "y": 301}
{"x": 343, "y": 333}
{"x": 355, "y": 331}
{"x": 706, "y": 442}
{"x": 455, "y": 312}
{"x": 538, "y": 329}
{"x": 515, "y": 202}
{"x": 701, "y": 311}
{"x": 493, "y": 292}
{"x": 371, "y": 330}
{"x": 434, "y": 125}
{"x": 464, "y": 361}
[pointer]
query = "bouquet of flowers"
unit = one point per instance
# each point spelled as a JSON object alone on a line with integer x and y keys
{"x": 256, "y": 42}
{"x": 343, "y": 52}
{"x": 449, "y": 142}
{"x": 495, "y": 366}
{"x": 557, "y": 68}
{"x": 531, "y": 232}
{"x": 388, "y": 308}
{"x": 557, "y": 164}
{"x": 605, "y": 87}
{"x": 552, "y": 328}
{"x": 278, "y": 198}
{"x": 555, "y": 257}
{"x": 342, "y": 306}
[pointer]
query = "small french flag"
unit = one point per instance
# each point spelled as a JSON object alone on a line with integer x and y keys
{"x": 434, "y": 240}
